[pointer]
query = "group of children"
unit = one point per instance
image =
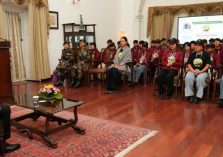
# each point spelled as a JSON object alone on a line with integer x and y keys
{"x": 197, "y": 57}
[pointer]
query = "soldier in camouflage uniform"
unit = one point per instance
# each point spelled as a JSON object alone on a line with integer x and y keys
{"x": 83, "y": 61}
{"x": 66, "y": 63}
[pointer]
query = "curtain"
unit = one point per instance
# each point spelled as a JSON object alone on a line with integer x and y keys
{"x": 13, "y": 30}
{"x": 19, "y": 1}
{"x": 2, "y": 34}
{"x": 162, "y": 25}
{"x": 156, "y": 14}
{"x": 38, "y": 28}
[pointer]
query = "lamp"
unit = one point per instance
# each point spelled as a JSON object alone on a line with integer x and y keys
{"x": 122, "y": 34}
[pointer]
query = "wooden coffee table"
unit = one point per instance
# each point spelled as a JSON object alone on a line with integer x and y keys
{"x": 47, "y": 111}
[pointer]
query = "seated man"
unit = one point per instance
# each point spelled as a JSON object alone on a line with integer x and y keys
{"x": 5, "y": 113}
{"x": 66, "y": 62}
{"x": 198, "y": 64}
{"x": 84, "y": 57}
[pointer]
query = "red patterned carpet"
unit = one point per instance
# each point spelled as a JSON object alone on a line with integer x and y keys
{"x": 103, "y": 138}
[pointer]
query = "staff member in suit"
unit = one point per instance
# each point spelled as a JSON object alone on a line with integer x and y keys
{"x": 171, "y": 63}
{"x": 5, "y": 114}
{"x": 198, "y": 64}
{"x": 122, "y": 56}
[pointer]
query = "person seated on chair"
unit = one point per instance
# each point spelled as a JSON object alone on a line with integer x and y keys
{"x": 135, "y": 50}
{"x": 220, "y": 102}
{"x": 198, "y": 64}
{"x": 119, "y": 44}
{"x": 205, "y": 44}
{"x": 141, "y": 63}
{"x": 171, "y": 63}
{"x": 95, "y": 54}
{"x": 156, "y": 58}
{"x": 218, "y": 48}
{"x": 108, "y": 54}
{"x": 83, "y": 60}
{"x": 119, "y": 66}
{"x": 109, "y": 42}
{"x": 187, "y": 52}
{"x": 5, "y": 114}
{"x": 164, "y": 44}
{"x": 192, "y": 46}
{"x": 211, "y": 41}
{"x": 153, "y": 46}
{"x": 65, "y": 63}
{"x": 214, "y": 56}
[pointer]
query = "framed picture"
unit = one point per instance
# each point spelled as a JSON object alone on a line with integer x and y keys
{"x": 54, "y": 20}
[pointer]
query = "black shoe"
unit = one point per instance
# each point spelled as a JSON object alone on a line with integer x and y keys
{"x": 196, "y": 100}
{"x": 11, "y": 147}
{"x": 191, "y": 99}
{"x": 167, "y": 97}
{"x": 59, "y": 83}
{"x": 108, "y": 92}
{"x": 220, "y": 103}
{"x": 77, "y": 84}
{"x": 71, "y": 84}
{"x": 162, "y": 96}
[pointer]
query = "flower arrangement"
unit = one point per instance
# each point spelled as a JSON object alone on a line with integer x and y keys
{"x": 50, "y": 92}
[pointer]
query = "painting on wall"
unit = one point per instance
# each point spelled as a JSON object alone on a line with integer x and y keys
{"x": 54, "y": 20}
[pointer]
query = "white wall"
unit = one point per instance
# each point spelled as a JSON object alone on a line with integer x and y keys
{"x": 111, "y": 17}
{"x": 106, "y": 14}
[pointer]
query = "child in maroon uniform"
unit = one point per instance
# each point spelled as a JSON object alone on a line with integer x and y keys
{"x": 142, "y": 59}
{"x": 171, "y": 63}
{"x": 215, "y": 57}
{"x": 135, "y": 50}
{"x": 95, "y": 54}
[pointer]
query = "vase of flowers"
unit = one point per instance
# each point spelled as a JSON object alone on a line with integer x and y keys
{"x": 50, "y": 94}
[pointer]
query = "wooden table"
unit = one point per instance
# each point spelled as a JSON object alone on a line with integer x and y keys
{"x": 26, "y": 101}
